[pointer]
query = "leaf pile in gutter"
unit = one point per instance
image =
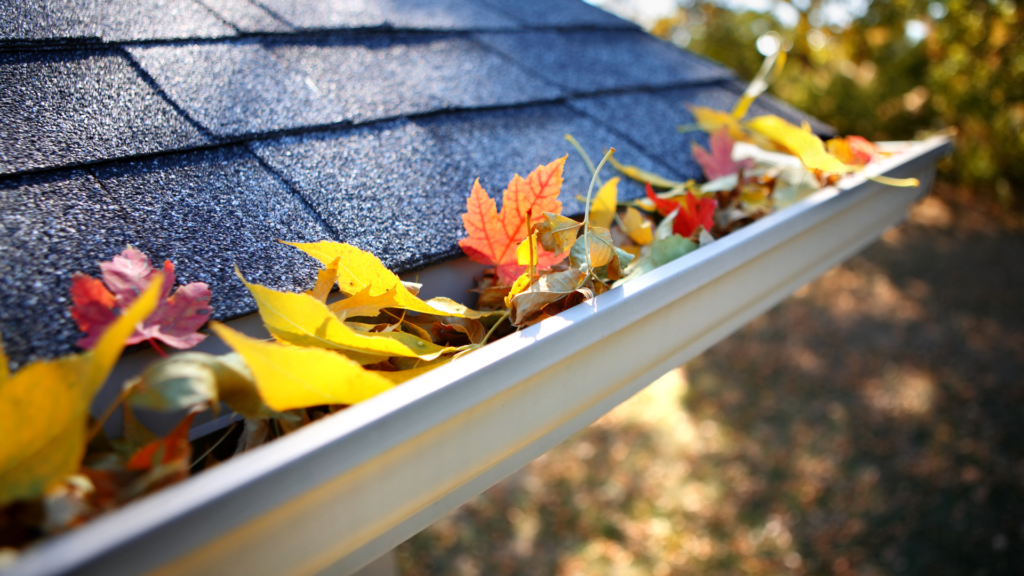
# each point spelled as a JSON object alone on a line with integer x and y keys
{"x": 325, "y": 354}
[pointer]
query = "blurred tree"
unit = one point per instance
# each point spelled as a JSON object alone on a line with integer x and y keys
{"x": 902, "y": 67}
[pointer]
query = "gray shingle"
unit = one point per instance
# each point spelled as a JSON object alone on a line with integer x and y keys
{"x": 65, "y": 108}
{"x": 398, "y": 14}
{"x": 585, "y": 61}
{"x": 209, "y": 211}
{"x": 398, "y": 189}
{"x": 559, "y": 13}
{"x": 52, "y": 226}
{"x": 22, "y": 20}
{"x": 246, "y": 16}
{"x": 123, "y": 20}
{"x": 244, "y": 87}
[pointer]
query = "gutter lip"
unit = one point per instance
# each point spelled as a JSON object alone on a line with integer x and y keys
{"x": 255, "y": 483}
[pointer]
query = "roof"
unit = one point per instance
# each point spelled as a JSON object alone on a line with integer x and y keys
{"x": 203, "y": 131}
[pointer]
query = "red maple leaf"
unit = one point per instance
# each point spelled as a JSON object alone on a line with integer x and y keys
{"x": 175, "y": 321}
{"x": 693, "y": 213}
{"x": 494, "y": 236}
{"x": 719, "y": 161}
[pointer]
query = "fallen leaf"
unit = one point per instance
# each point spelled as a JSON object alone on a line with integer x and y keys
{"x": 401, "y": 376}
{"x": 171, "y": 448}
{"x": 692, "y": 213}
{"x": 602, "y": 210}
{"x": 638, "y": 228}
{"x": 255, "y": 432}
{"x": 527, "y": 252}
{"x": 44, "y": 408}
{"x": 175, "y": 321}
{"x": 359, "y": 270}
{"x": 362, "y": 304}
{"x": 302, "y": 320}
{"x": 449, "y": 307}
{"x": 802, "y": 144}
{"x": 521, "y": 283}
{"x": 179, "y": 382}
{"x": 290, "y": 377}
{"x": 325, "y": 280}
{"x": 718, "y": 162}
{"x": 493, "y": 236}
{"x": 644, "y": 176}
{"x": 546, "y": 290}
{"x": 605, "y": 257}
{"x": 557, "y": 233}
{"x": 712, "y": 121}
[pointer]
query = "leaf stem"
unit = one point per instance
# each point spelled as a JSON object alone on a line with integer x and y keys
{"x": 494, "y": 327}
{"x": 586, "y": 214}
{"x": 585, "y": 156}
{"x": 98, "y": 425}
{"x": 215, "y": 444}
{"x": 157, "y": 347}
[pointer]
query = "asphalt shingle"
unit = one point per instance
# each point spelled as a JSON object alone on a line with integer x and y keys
{"x": 52, "y": 226}
{"x": 124, "y": 20}
{"x": 398, "y": 189}
{"x": 64, "y": 108}
{"x": 585, "y": 61}
{"x": 22, "y": 21}
{"x": 396, "y": 14}
{"x": 209, "y": 211}
{"x": 242, "y": 88}
{"x": 246, "y": 16}
{"x": 559, "y": 13}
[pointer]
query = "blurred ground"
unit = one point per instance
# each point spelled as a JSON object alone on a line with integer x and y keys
{"x": 871, "y": 424}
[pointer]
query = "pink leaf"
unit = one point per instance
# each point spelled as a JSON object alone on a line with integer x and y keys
{"x": 719, "y": 161}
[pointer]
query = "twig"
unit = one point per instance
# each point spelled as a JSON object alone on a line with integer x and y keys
{"x": 98, "y": 425}
{"x": 586, "y": 215}
{"x": 214, "y": 447}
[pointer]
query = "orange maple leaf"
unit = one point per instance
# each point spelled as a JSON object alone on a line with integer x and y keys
{"x": 494, "y": 236}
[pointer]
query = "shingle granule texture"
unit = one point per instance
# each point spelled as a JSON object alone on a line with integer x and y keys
{"x": 122, "y": 20}
{"x": 248, "y": 87}
{"x": 246, "y": 16}
{"x": 202, "y": 131}
{"x": 208, "y": 212}
{"x": 558, "y": 14}
{"x": 396, "y": 14}
{"x": 53, "y": 226}
{"x": 593, "y": 60}
{"x": 22, "y": 20}
{"x": 66, "y": 108}
{"x": 399, "y": 189}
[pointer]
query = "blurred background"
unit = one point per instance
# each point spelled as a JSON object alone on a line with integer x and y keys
{"x": 873, "y": 423}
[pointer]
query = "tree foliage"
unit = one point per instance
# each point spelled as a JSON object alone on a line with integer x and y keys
{"x": 875, "y": 77}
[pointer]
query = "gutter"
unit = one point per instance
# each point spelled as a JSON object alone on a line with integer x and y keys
{"x": 338, "y": 493}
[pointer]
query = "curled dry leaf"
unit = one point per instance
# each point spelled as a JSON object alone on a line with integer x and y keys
{"x": 547, "y": 289}
{"x": 556, "y": 233}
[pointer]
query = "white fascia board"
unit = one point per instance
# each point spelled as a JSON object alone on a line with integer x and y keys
{"x": 334, "y": 495}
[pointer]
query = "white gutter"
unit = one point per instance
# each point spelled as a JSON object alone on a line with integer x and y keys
{"x": 337, "y": 494}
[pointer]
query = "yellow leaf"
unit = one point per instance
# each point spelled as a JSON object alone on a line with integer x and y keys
{"x": 521, "y": 283}
{"x": 325, "y": 280}
{"x": 602, "y": 211}
{"x": 288, "y": 377}
{"x": 44, "y": 408}
{"x": 362, "y": 304}
{"x": 637, "y": 227}
{"x": 301, "y": 320}
{"x": 526, "y": 253}
{"x": 401, "y": 376}
{"x": 644, "y": 176}
{"x": 806, "y": 146}
{"x": 711, "y": 121}
{"x": 358, "y": 270}
{"x": 449, "y": 307}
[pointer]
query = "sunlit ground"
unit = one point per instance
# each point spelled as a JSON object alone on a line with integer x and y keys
{"x": 871, "y": 424}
